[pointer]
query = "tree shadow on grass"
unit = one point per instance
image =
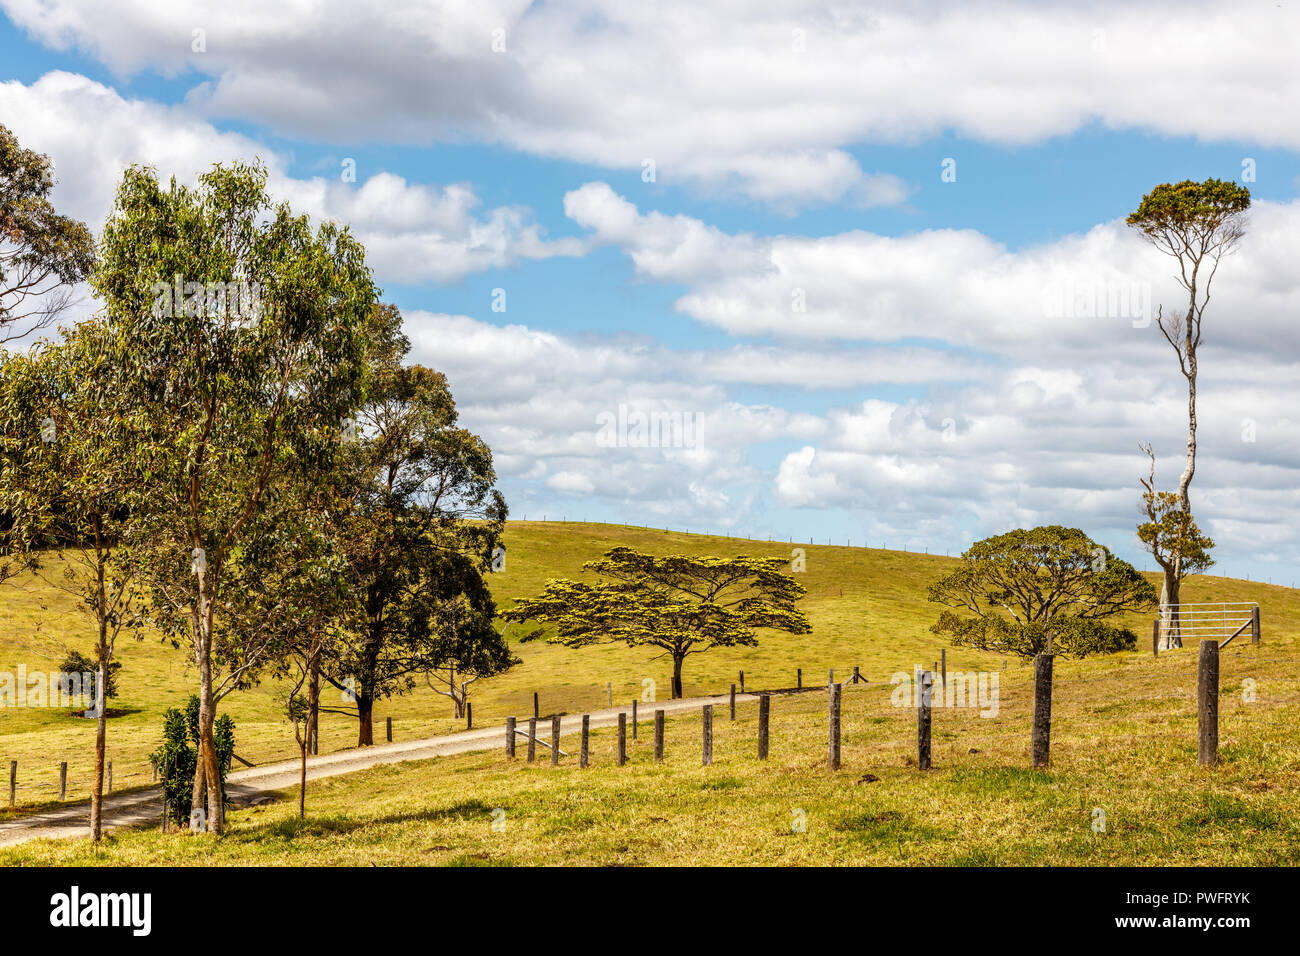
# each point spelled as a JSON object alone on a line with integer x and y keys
{"x": 340, "y": 825}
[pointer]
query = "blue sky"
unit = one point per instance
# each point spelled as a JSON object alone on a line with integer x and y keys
{"x": 925, "y": 396}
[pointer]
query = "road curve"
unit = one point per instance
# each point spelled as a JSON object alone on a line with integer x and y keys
{"x": 136, "y": 807}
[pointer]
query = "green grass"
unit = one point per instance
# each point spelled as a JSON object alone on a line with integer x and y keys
{"x": 981, "y": 804}
{"x": 866, "y": 606}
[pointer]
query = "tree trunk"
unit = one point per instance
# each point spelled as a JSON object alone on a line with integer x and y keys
{"x": 103, "y": 655}
{"x": 1189, "y": 469}
{"x": 365, "y": 716}
{"x": 211, "y": 777}
{"x": 101, "y": 733}
{"x": 302, "y": 781}
{"x": 1169, "y": 591}
{"x": 313, "y": 706}
{"x": 677, "y": 676}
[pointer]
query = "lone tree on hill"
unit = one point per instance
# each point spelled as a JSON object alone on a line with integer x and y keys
{"x": 1196, "y": 224}
{"x": 682, "y": 604}
{"x": 1031, "y": 590}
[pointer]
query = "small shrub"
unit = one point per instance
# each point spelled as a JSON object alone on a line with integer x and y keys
{"x": 177, "y": 758}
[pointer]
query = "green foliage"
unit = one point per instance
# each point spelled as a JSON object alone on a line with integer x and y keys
{"x": 177, "y": 757}
{"x": 77, "y": 663}
{"x": 70, "y": 481}
{"x": 1021, "y": 587}
{"x": 1189, "y": 209}
{"x": 685, "y": 605}
{"x": 230, "y": 400}
{"x": 1172, "y": 536}
{"x": 42, "y": 254}
{"x": 418, "y": 518}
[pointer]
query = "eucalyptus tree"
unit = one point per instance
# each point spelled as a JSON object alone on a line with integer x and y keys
{"x": 682, "y": 604}
{"x": 1195, "y": 224}
{"x": 236, "y": 334}
{"x": 70, "y": 483}
{"x": 420, "y": 520}
{"x": 43, "y": 254}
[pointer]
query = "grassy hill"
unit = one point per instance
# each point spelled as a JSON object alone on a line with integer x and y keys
{"x": 867, "y": 608}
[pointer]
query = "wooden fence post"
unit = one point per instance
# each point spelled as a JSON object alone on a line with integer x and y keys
{"x": 1207, "y": 707}
{"x": 733, "y": 701}
{"x": 742, "y": 682}
{"x": 555, "y": 740}
{"x": 799, "y": 678}
{"x": 708, "y": 734}
{"x": 835, "y": 691}
{"x": 63, "y": 779}
{"x": 13, "y": 781}
{"x": 609, "y": 692}
{"x": 622, "y": 738}
{"x": 537, "y": 712}
{"x": 532, "y": 739}
{"x": 924, "y": 691}
{"x": 764, "y": 708}
{"x": 634, "y": 720}
{"x": 1254, "y": 624}
{"x": 510, "y": 737}
{"x": 943, "y": 666}
{"x": 659, "y": 736}
{"x": 1042, "y": 733}
{"x": 857, "y": 678}
{"x": 389, "y": 721}
{"x": 586, "y": 730}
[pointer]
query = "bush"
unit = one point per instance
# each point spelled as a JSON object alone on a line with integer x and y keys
{"x": 177, "y": 758}
{"x": 78, "y": 663}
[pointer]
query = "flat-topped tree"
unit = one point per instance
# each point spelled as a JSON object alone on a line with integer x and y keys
{"x": 1195, "y": 224}
{"x": 236, "y": 332}
{"x": 1025, "y": 592}
{"x": 684, "y": 605}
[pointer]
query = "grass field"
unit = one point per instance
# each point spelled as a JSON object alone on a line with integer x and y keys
{"x": 1124, "y": 744}
{"x": 1124, "y": 741}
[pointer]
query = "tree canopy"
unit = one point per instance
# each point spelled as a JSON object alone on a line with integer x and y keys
{"x": 419, "y": 517}
{"x": 682, "y": 604}
{"x": 42, "y": 254}
{"x": 236, "y": 341}
{"x": 1023, "y": 589}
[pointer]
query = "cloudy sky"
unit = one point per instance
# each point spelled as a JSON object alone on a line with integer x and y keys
{"x": 875, "y": 254}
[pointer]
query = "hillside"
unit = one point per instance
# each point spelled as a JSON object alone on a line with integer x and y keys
{"x": 867, "y": 608}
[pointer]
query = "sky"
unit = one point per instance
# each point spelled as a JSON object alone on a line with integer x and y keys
{"x": 872, "y": 259}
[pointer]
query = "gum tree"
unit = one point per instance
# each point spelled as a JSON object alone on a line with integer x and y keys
{"x": 1195, "y": 224}
{"x": 70, "y": 486}
{"x": 42, "y": 254}
{"x": 681, "y": 604}
{"x": 419, "y": 521}
{"x": 236, "y": 332}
